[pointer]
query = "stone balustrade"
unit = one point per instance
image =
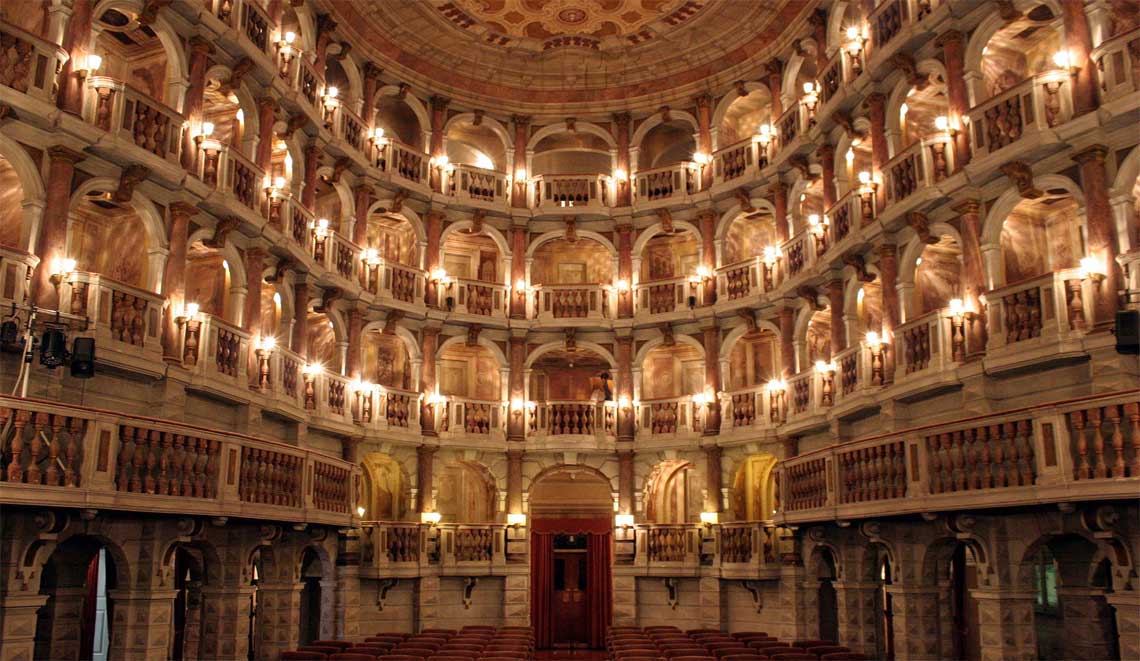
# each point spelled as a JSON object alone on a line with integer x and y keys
{"x": 1040, "y": 312}
{"x": 1022, "y": 114}
{"x": 133, "y": 118}
{"x": 215, "y": 350}
{"x": 1079, "y": 449}
{"x": 122, "y": 318}
{"x": 738, "y": 160}
{"x": 15, "y": 271}
{"x": 670, "y": 416}
{"x": 467, "y": 183}
{"x": 918, "y": 168}
{"x": 1118, "y": 68}
{"x": 564, "y": 191}
{"x": 589, "y": 301}
{"x": 465, "y": 417}
{"x": 484, "y": 299}
{"x": 664, "y": 296}
{"x": 58, "y": 455}
{"x": 29, "y": 64}
{"x": 669, "y": 183}
{"x": 744, "y": 279}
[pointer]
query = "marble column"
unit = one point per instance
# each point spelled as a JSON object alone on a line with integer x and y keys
{"x": 309, "y": 192}
{"x": 522, "y": 136}
{"x": 347, "y": 589}
{"x": 880, "y": 150}
{"x": 278, "y": 629}
{"x": 952, "y": 43}
{"x": 838, "y": 324}
{"x": 973, "y": 276}
{"x": 625, "y": 481}
{"x": 354, "y": 359}
{"x": 514, "y": 481}
{"x": 300, "y": 344}
{"x": 325, "y": 27}
{"x": 625, "y": 270}
{"x": 622, "y": 123}
{"x": 361, "y": 202}
{"x": 519, "y": 237}
{"x": 775, "y": 87}
{"x": 711, "y": 339}
{"x": 787, "y": 316}
{"x": 174, "y": 278}
{"x": 429, "y": 342}
{"x": 826, "y": 156}
{"x": 707, "y": 220}
{"x": 713, "y": 482}
{"x": 1078, "y": 41}
{"x": 371, "y": 74}
{"x": 51, "y": 244}
{"x": 200, "y": 49}
{"x": 704, "y": 136}
{"x": 1102, "y": 238}
{"x": 254, "y": 271}
{"x": 76, "y": 37}
{"x": 888, "y": 276}
{"x": 425, "y": 459}
{"x": 433, "y": 258}
{"x": 916, "y": 622}
{"x": 517, "y": 423}
{"x": 438, "y": 121}
{"x": 779, "y": 198}
{"x": 625, "y": 414}
{"x": 266, "y": 117}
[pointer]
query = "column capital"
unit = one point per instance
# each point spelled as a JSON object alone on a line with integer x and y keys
{"x": 703, "y": 100}
{"x": 256, "y": 252}
{"x": 778, "y": 187}
{"x": 200, "y": 46}
{"x": 949, "y": 37}
{"x": 182, "y": 209}
{"x": 313, "y": 148}
{"x": 520, "y": 120}
{"x": 267, "y": 103}
{"x": 971, "y": 207}
{"x": 1096, "y": 153}
{"x": 439, "y": 102}
{"x": 826, "y": 152}
{"x": 61, "y": 153}
{"x": 372, "y": 72}
{"x": 876, "y": 101}
{"x": 622, "y": 117}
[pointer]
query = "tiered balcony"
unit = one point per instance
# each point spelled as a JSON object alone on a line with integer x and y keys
{"x": 669, "y": 417}
{"x": 741, "y": 161}
{"x": 1118, "y": 72}
{"x": 798, "y": 254}
{"x": 563, "y": 303}
{"x": 15, "y": 270}
{"x": 1022, "y": 117}
{"x": 929, "y": 347}
{"x": 1041, "y": 318}
{"x": 394, "y": 549}
{"x": 29, "y": 65}
{"x": 59, "y": 455}
{"x": 1082, "y": 449}
{"x": 791, "y": 130}
{"x": 549, "y": 192}
{"x": 482, "y": 299}
{"x": 916, "y": 170}
{"x": 745, "y": 280}
{"x": 669, "y": 296}
{"x": 479, "y": 187}
{"x": 572, "y": 422}
{"x": 850, "y": 213}
{"x": 131, "y": 117}
{"x": 664, "y": 549}
{"x": 666, "y": 185}
{"x": 336, "y": 254}
{"x": 474, "y": 418}
{"x": 216, "y": 352}
{"x": 124, "y": 320}
{"x": 236, "y": 178}
{"x": 893, "y": 26}
{"x": 248, "y": 19}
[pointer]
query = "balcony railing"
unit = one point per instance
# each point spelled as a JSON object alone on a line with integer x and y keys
{"x": 743, "y": 279}
{"x": 590, "y": 301}
{"x": 471, "y": 547}
{"x": 934, "y": 342}
{"x": 1022, "y": 113}
{"x": 738, "y": 160}
{"x": 216, "y": 350}
{"x": 668, "y": 547}
{"x": 919, "y": 167}
{"x": 478, "y": 417}
{"x": 671, "y": 182}
{"x": 664, "y": 296}
{"x": 572, "y": 418}
{"x": 1119, "y": 72}
{"x": 669, "y": 416}
{"x": 29, "y": 64}
{"x": 59, "y": 455}
{"x": 15, "y": 269}
{"x": 122, "y": 317}
{"x": 890, "y": 18}
{"x": 551, "y": 191}
{"x": 852, "y": 211}
{"x": 392, "y": 547}
{"x": 247, "y": 16}
{"x": 486, "y": 299}
{"x": 132, "y": 116}
{"x": 747, "y": 546}
{"x": 798, "y": 253}
{"x": 469, "y": 183}
{"x": 407, "y": 163}
{"x": 224, "y": 168}
{"x": 1082, "y": 449}
{"x": 1046, "y": 309}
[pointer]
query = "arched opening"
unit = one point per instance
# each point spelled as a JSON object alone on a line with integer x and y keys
{"x": 1020, "y": 50}
{"x": 386, "y": 360}
{"x": 937, "y": 276}
{"x": 110, "y": 239}
{"x": 335, "y": 76}
{"x": 328, "y": 203}
{"x": 961, "y": 572}
{"x": 312, "y": 573}
{"x": 189, "y": 577}
{"x": 669, "y": 372}
{"x": 256, "y": 572}
{"x": 384, "y": 487}
{"x": 563, "y": 262}
{"x": 748, "y": 235}
{"x": 665, "y": 144}
{"x": 858, "y": 158}
{"x": 399, "y": 121}
{"x": 474, "y": 145}
{"x": 882, "y": 578}
{"x": 322, "y": 342}
{"x": 471, "y": 256}
{"x": 572, "y": 521}
{"x": 1069, "y": 578}
{"x": 818, "y": 337}
{"x": 1041, "y": 236}
{"x": 281, "y": 166}
{"x": 673, "y": 492}
{"x": 133, "y": 54}
{"x": 466, "y": 493}
{"x": 869, "y": 308}
{"x": 75, "y": 621}
{"x": 919, "y": 113}
{"x": 670, "y": 255}
{"x": 754, "y": 359}
{"x": 393, "y": 238}
{"x": 11, "y": 206}
{"x": 209, "y": 282}
{"x": 754, "y": 495}
{"x": 220, "y": 107}
{"x": 810, "y": 205}
{"x": 273, "y": 323}
{"x": 469, "y": 372}
{"x": 745, "y": 115}
{"x": 571, "y": 152}
{"x": 827, "y": 602}
{"x": 569, "y": 388}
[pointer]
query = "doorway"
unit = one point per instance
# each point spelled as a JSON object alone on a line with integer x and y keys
{"x": 310, "y": 615}
{"x": 826, "y": 599}
{"x": 570, "y": 584}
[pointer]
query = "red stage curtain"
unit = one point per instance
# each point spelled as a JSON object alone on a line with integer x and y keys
{"x": 599, "y": 589}
{"x": 542, "y": 586}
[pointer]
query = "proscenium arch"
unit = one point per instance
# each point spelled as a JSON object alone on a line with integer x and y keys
{"x": 559, "y": 468}
{"x": 558, "y": 346}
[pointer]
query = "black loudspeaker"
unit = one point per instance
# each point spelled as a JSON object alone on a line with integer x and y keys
{"x": 83, "y": 358}
{"x": 53, "y": 348}
{"x": 1128, "y": 331}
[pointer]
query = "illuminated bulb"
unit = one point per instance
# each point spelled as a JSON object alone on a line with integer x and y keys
{"x": 239, "y": 115}
{"x": 710, "y": 518}
{"x": 279, "y": 182}
{"x": 520, "y": 284}
{"x": 268, "y": 343}
{"x": 1063, "y": 59}
{"x": 865, "y": 177}
{"x": 766, "y": 130}
{"x": 850, "y": 156}
{"x": 360, "y": 511}
{"x": 442, "y": 161}
{"x": 94, "y": 62}
{"x": 860, "y": 295}
{"x": 942, "y": 123}
{"x": 813, "y": 220}
{"x": 623, "y": 520}
{"x": 207, "y": 129}
{"x": 874, "y": 339}
{"x": 703, "y": 271}
{"x": 332, "y": 92}
{"x": 371, "y": 255}
{"x": 623, "y": 402}
{"x": 700, "y": 158}
{"x": 290, "y": 37}
{"x": 620, "y": 174}
{"x": 484, "y": 161}
{"x": 776, "y": 385}
{"x": 313, "y": 369}
{"x": 520, "y": 174}
{"x": 516, "y": 519}
{"x": 809, "y": 87}
{"x": 438, "y": 274}
{"x": 622, "y": 285}
{"x": 918, "y": 261}
{"x": 853, "y": 33}
{"x": 957, "y": 307}
{"x": 323, "y": 226}
{"x": 192, "y": 309}
{"x": 430, "y": 518}
{"x": 377, "y": 133}
{"x": 903, "y": 109}
{"x": 530, "y": 406}
{"x": 771, "y": 253}
{"x": 64, "y": 265}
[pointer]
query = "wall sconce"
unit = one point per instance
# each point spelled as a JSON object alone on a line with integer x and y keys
{"x": 520, "y": 288}
{"x": 765, "y": 134}
{"x": 1092, "y": 269}
{"x": 777, "y": 390}
{"x": 623, "y": 521}
{"x": 826, "y": 372}
{"x": 286, "y": 43}
{"x": 430, "y": 518}
{"x": 620, "y": 175}
{"x": 959, "y": 314}
{"x": 520, "y": 175}
{"x": 818, "y": 223}
{"x": 517, "y": 406}
{"x": 443, "y": 282}
{"x": 867, "y": 189}
{"x": 710, "y": 519}
{"x": 850, "y": 156}
{"x": 91, "y": 64}
{"x": 866, "y": 180}
{"x": 516, "y": 520}
{"x": 189, "y": 313}
{"x": 309, "y": 373}
{"x": 876, "y": 344}
{"x": 321, "y": 228}
{"x": 855, "y": 41}
{"x": 360, "y": 511}
{"x": 331, "y": 97}
{"x": 61, "y": 269}
{"x": 942, "y": 123}
{"x": 622, "y": 287}
{"x": 1065, "y": 60}
{"x": 377, "y": 136}
{"x": 263, "y": 351}
{"x": 811, "y": 95}
{"x": 771, "y": 256}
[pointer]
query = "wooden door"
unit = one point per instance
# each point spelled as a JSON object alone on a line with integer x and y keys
{"x": 569, "y": 609}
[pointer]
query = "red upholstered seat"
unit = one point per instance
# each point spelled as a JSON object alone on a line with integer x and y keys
{"x": 324, "y": 649}
{"x": 339, "y": 644}
{"x": 298, "y": 655}
{"x": 352, "y": 656}
{"x": 794, "y": 656}
{"x": 744, "y": 657}
{"x": 806, "y": 644}
{"x": 398, "y": 657}
{"x": 845, "y": 656}
{"x": 750, "y": 634}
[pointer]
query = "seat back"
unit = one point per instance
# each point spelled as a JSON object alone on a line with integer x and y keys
{"x": 299, "y": 655}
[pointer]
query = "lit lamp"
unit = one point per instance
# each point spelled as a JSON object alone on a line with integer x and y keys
{"x": 943, "y": 124}
{"x": 517, "y": 407}
{"x": 811, "y": 99}
{"x": 309, "y": 373}
{"x": 263, "y": 351}
{"x": 622, "y": 287}
{"x": 430, "y": 518}
{"x": 320, "y": 235}
{"x": 621, "y": 180}
{"x": 959, "y": 314}
{"x": 855, "y": 42}
{"x": 771, "y": 257}
{"x": 91, "y": 64}
{"x": 443, "y": 283}
{"x": 710, "y": 519}
{"x": 61, "y": 269}
{"x": 700, "y": 160}
{"x": 360, "y": 511}
{"x": 867, "y": 188}
{"x": 623, "y": 521}
{"x": 1092, "y": 269}
{"x": 777, "y": 389}
{"x": 765, "y": 134}
{"x": 826, "y": 372}
{"x": 517, "y": 520}
{"x": 875, "y": 343}
{"x": 818, "y": 226}
{"x": 520, "y": 288}
{"x": 370, "y": 257}
{"x": 1065, "y": 60}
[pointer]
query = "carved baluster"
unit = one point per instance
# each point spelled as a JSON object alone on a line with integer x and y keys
{"x": 1112, "y": 414}
{"x": 998, "y": 451}
{"x": 935, "y": 464}
{"x": 1132, "y": 410}
{"x": 164, "y": 465}
{"x": 1078, "y": 420}
{"x": 1009, "y": 434}
{"x": 33, "y": 474}
{"x": 126, "y": 451}
{"x": 51, "y": 468}
{"x": 900, "y": 470}
{"x": 179, "y": 485}
{"x": 984, "y": 467}
{"x": 71, "y": 469}
{"x": 150, "y": 482}
{"x": 212, "y": 459}
{"x": 1027, "y": 465}
{"x": 1100, "y": 468}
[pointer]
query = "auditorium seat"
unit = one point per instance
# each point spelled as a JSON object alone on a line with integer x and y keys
{"x": 298, "y": 655}
{"x": 352, "y": 656}
{"x": 339, "y": 644}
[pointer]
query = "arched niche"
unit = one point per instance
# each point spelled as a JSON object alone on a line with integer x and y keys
{"x": 1000, "y": 54}
{"x": 669, "y": 255}
{"x": 469, "y": 372}
{"x": 402, "y": 117}
{"x": 570, "y": 490}
{"x": 669, "y": 372}
{"x": 323, "y": 341}
{"x": 483, "y": 145}
{"x": 748, "y": 234}
{"x": 146, "y": 57}
{"x": 817, "y": 337}
{"x": 385, "y": 488}
{"x": 866, "y": 307}
{"x": 474, "y": 256}
{"x": 386, "y": 360}
{"x": 563, "y": 262}
{"x": 754, "y": 359}
{"x": 914, "y": 111}
{"x": 570, "y": 152}
{"x": 393, "y": 238}
{"x": 754, "y": 488}
{"x": 233, "y": 112}
{"x": 211, "y": 282}
{"x": 937, "y": 276}
{"x": 744, "y": 115}
{"x": 87, "y": 569}
{"x": 666, "y": 143}
{"x": 115, "y": 239}
{"x": 673, "y": 492}
{"x": 1041, "y": 236}
{"x": 14, "y": 229}
{"x": 466, "y": 493}
{"x": 575, "y": 375}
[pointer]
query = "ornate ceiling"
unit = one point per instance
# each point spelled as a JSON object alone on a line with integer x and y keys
{"x": 570, "y": 56}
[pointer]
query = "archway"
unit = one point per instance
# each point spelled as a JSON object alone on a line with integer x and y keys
{"x": 1013, "y": 52}
{"x": 76, "y": 620}
{"x": 474, "y": 144}
{"x": 386, "y": 360}
{"x": 571, "y": 601}
{"x": 111, "y": 239}
{"x": 210, "y": 282}
{"x": 937, "y": 276}
{"x": 748, "y": 235}
{"x": 189, "y": 577}
{"x": 666, "y": 143}
{"x": 384, "y": 488}
{"x": 745, "y": 115}
{"x": 878, "y": 561}
{"x": 754, "y": 488}
{"x": 312, "y": 573}
{"x": 322, "y": 342}
{"x": 466, "y": 493}
{"x": 1040, "y": 236}
{"x": 11, "y": 206}
{"x": 570, "y": 152}
{"x": 672, "y": 494}
{"x": 826, "y": 573}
